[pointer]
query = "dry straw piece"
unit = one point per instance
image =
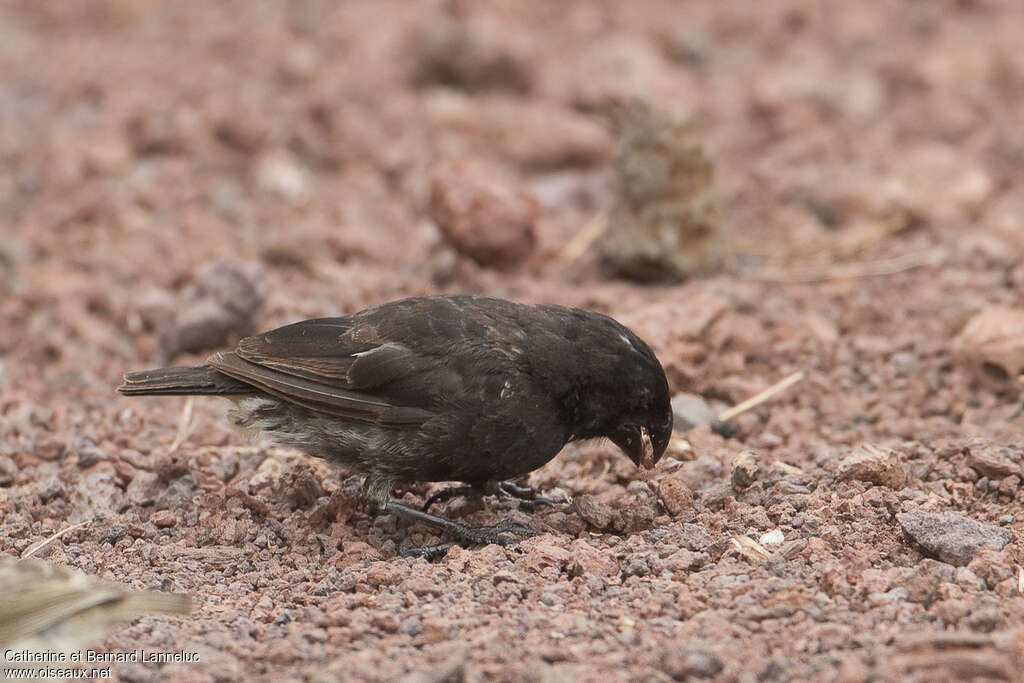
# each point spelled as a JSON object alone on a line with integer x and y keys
{"x": 761, "y": 397}
{"x": 750, "y": 549}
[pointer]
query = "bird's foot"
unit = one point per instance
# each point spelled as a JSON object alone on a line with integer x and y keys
{"x": 528, "y": 497}
{"x": 506, "y": 533}
{"x": 453, "y": 492}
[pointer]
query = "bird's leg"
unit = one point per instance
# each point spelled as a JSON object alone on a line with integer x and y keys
{"x": 504, "y": 533}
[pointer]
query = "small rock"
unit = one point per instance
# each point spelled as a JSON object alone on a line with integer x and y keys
{"x": 386, "y": 622}
{"x": 539, "y": 135}
{"x": 421, "y": 586}
{"x": 315, "y": 635}
{"x": 640, "y": 564}
{"x": 154, "y": 309}
{"x": 965, "y": 577}
{"x": 873, "y": 464}
{"x": 169, "y": 466}
{"x": 685, "y": 664}
{"x": 281, "y": 652}
{"x": 161, "y": 131}
{"x": 618, "y": 68}
{"x": 106, "y": 155}
{"x": 299, "y": 63}
{"x": 717, "y": 495}
{"x": 163, "y": 519}
{"x": 987, "y": 460}
{"x": 143, "y": 489}
{"x": 8, "y": 469}
{"x": 676, "y": 496}
{"x": 543, "y": 552}
{"x": 124, "y": 471}
{"x": 242, "y": 131}
{"x": 482, "y": 214}
{"x": 745, "y": 468}
{"x": 684, "y": 560}
{"x": 280, "y": 174}
{"x": 1009, "y": 485}
{"x": 223, "y": 300}
{"x": 992, "y": 345}
{"x": 115, "y": 533}
{"x": 921, "y": 582}
{"x": 135, "y": 459}
{"x": 503, "y": 576}
{"x": 50, "y": 489}
{"x": 410, "y": 626}
{"x": 735, "y": 331}
{"x": 691, "y": 410}
{"x": 549, "y": 599}
{"x": 88, "y": 455}
{"x": 473, "y": 51}
{"x": 586, "y": 559}
{"x": 50, "y": 449}
{"x": 300, "y": 487}
{"x": 434, "y": 631}
{"x": 384, "y": 574}
{"x": 634, "y": 516}
{"x": 593, "y": 511}
{"x": 772, "y": 538}
{"x": 992, "y": 566}
{"x": 951, "y": 537}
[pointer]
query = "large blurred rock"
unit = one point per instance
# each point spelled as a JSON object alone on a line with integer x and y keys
{"x": 664, "y": 223}
{"x": 221, "y": 302}
{"x": 482, "y": 213}
{"x": 992, "y": 346}
{"x": 471, "y": 49}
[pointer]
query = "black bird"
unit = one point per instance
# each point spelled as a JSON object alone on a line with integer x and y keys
{"x": 443, "y": 388}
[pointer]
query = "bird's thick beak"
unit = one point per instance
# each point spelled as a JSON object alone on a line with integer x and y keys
{"x": 635, "y": 441}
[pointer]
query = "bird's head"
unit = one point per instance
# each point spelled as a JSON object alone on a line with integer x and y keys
{"x": 626, "y": 396}
{"x": 644, "y": 426}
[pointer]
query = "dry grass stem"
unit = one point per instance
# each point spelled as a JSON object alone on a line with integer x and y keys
{"x": 839, "y": 271}
{"x": 35, "y": 547}
{"x": 750, "y": 549}
{"x": 584, "y": 238}
{"x": 185, "y": 426}
{"x": 760, "y": 398}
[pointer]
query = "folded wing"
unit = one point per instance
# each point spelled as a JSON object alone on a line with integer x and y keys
{"x": 330, "y": 366}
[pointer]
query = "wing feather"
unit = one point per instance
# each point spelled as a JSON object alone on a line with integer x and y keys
{"x": 321, "y": 397}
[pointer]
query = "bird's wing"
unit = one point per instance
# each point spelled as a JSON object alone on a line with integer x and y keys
{"x": 337, "y": 367}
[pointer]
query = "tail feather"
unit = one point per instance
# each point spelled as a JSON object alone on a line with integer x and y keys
{"x": 182, "y": 381}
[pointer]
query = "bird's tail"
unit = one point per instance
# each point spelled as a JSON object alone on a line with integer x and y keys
{"x": 181, "y": 381}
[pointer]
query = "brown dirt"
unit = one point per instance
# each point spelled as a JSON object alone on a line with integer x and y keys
{"x": 141, "y": 141}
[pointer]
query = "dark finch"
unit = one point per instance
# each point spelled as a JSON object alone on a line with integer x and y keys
{"x": 443, "y": 388}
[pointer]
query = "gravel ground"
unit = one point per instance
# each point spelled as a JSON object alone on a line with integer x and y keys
{"x": 173, "y": 175}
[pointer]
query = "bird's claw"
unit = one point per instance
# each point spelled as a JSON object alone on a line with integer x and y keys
{"x": 492, "y": 534}
{"x": 528, "y": 497}
{"x": 503, "y": 533}
{"x": 448, "y": 493}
